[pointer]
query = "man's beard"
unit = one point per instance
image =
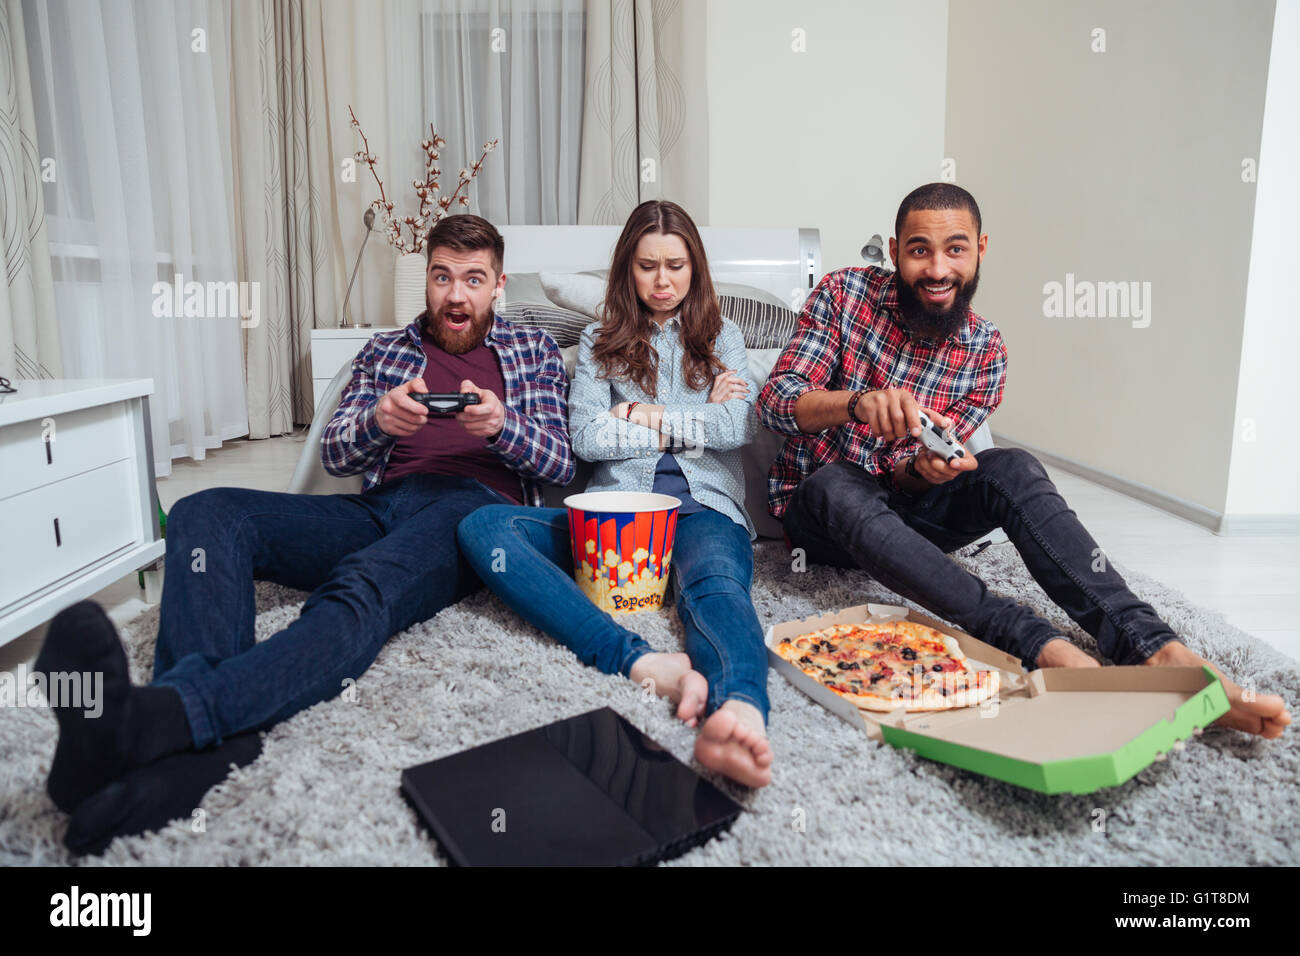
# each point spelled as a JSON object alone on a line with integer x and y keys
{"x": 935, "y": 326}
{"x": 456, "y": 343}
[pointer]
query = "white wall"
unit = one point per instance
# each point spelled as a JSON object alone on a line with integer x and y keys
{"x": 1120, "y": 164}
{"x": 830, "y": 138}
{"x": 1264, "y": 477}
{"x": 1114, "y": 166}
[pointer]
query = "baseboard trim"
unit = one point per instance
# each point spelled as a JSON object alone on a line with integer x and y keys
{"x": 1230, "y": 525}
{"x": 1239, "y": 525}
{"x": 1180, "y": 507}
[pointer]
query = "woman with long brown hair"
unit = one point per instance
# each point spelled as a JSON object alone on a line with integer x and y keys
{"x": 661, "y": 402}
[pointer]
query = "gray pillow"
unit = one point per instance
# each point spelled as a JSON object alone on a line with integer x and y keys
{"x": 565, "y": 326}
{"x": 762, "y": 318}
{"x": 721, "y": 288}
{"x": 764, "y": 326}
{"x": 738, "y": 291}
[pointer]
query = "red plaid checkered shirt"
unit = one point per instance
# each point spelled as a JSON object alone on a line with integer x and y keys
{"x": 849, "y": 338}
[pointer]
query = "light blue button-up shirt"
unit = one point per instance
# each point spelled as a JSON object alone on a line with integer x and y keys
{"x": 706, "y": 437}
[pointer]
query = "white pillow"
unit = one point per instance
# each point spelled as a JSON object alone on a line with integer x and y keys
{"x": 522, "y": 287}
{"x": 570, "y": 356}
{"x": 573, "y": 291}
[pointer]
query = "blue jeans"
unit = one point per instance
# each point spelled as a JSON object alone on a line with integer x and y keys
{"x": 523, "y": 555}
{"x": 842, "y": 516}
{"x": 375, "y": 564}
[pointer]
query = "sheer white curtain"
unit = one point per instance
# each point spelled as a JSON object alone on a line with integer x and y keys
{"x": 286, "y": 238}
{"x": 133, "y": 104}
{"x": 645, "y": 123}
{"x": 488, "y": 69}
{"x": 403, "y": 64}
{"x": 492, "y": 69}
{"x": 29, "y": 334}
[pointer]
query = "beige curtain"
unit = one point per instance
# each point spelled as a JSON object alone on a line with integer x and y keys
{"x": 645, "y": 110}
{"x": 286, "y": 223}
{"x": 29, "y": 337}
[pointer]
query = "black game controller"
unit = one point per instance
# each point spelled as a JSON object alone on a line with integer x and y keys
{"x": 444, "y": 403}
{"x": 939, "y": 441}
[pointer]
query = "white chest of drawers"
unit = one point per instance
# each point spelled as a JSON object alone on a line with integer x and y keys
{"x": 78, "y": 506}
{"x": 330, "y": 348}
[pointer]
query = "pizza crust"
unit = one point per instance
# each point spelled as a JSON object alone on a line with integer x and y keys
{"x": 979, "y": 687}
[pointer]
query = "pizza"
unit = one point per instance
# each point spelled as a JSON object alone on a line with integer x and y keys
{"x": 890, "y": 665}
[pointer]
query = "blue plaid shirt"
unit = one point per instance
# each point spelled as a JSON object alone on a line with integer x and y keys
{"x": 534, "y": 441}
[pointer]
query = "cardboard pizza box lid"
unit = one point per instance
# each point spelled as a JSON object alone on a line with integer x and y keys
{"x": 1054, "y": 730}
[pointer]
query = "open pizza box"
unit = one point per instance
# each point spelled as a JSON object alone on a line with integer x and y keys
{"x": 1055, "y": 730}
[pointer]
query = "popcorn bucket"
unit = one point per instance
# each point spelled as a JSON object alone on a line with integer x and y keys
{"x": 622, "y": 544}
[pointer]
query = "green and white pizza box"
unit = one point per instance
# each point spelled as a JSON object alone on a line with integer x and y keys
{"x": 1055, "y": 730}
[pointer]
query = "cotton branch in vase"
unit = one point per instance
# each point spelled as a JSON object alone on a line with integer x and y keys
{"x": 433, "y": 205}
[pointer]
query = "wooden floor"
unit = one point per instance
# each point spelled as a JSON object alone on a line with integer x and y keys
{"x": 1253, "y": 581}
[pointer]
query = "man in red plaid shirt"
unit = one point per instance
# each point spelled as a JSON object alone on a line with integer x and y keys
{"x": 855, "y": 487}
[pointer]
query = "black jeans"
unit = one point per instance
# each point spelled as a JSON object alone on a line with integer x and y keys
{"x": 842, "y": 516}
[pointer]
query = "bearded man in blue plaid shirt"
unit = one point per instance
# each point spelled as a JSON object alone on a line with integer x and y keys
{"x": 375, "y": 562}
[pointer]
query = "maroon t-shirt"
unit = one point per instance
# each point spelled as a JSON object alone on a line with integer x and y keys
{"x": 443, "y": 447}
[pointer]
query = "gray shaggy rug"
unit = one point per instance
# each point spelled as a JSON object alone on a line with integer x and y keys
{"x": 325, "y": 790}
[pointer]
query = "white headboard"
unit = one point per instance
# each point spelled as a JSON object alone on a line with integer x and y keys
{"x": 785, "y": 262}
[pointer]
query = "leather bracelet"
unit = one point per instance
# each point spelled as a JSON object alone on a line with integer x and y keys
{"x": 853, "y": 406}
{"x": 628, "y": 414}
{"x": 910, "y": 470}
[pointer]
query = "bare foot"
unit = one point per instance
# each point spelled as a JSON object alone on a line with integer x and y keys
{"x": 1060, "y": 652}
{"x": 670, "y": 676}
{"x": 733, "y": 742}
{"x": 1262, "y": 714}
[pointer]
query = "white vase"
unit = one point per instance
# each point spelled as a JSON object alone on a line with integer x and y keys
{"x": 408, "y": 288}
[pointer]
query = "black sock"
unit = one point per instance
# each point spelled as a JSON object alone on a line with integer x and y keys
{"x": 148, "y": 797}
{"x": 133, "y": 726}
{"x": 158, "y": 723}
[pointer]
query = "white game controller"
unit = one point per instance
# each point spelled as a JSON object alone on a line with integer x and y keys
{"x": 940, "y": 441}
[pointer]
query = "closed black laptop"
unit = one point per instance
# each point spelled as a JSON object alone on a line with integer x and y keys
{"x": 591, "y": 790}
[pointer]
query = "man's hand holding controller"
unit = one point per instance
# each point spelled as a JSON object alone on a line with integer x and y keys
{"x": 894, "y": 413}
{"x": 944, "y": 457}
{"x": 399, "y": 415}
{"x": 487, "y": 418}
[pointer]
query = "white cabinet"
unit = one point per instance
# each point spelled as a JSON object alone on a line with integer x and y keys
{"x": 331, "y": 348}
{"x": 78, "y": 506}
